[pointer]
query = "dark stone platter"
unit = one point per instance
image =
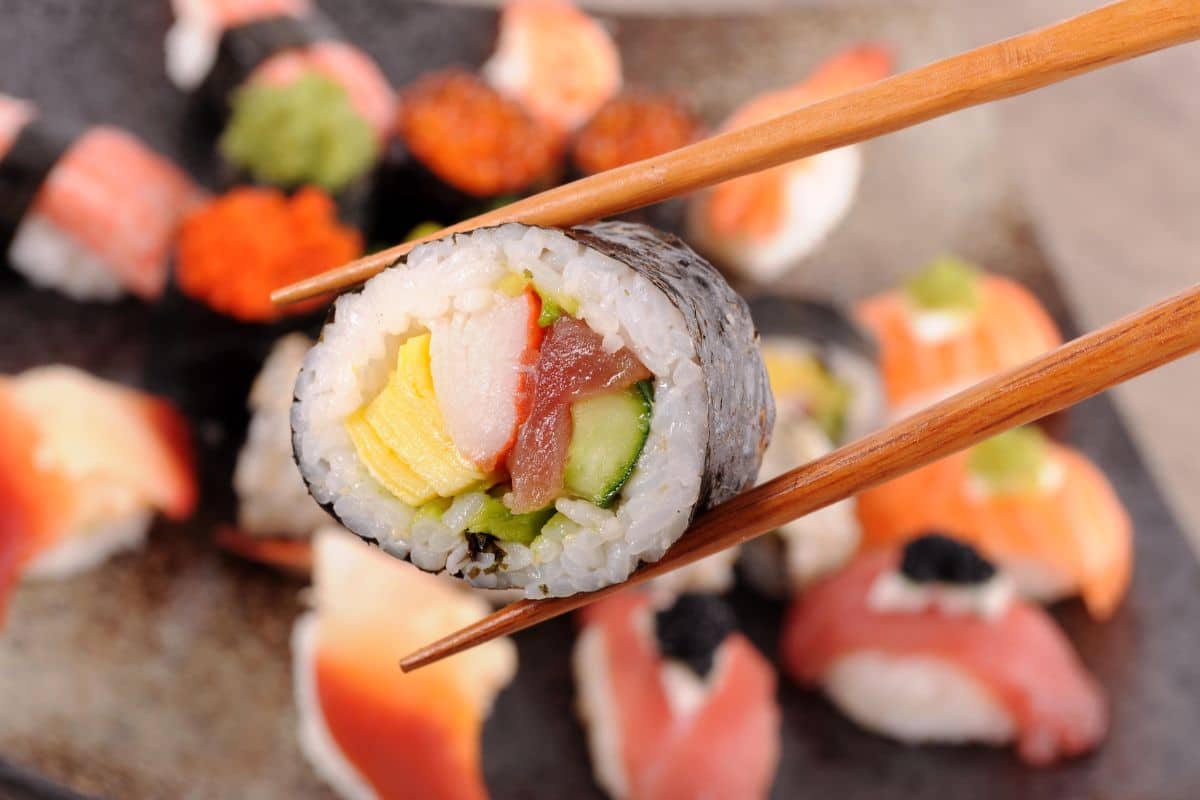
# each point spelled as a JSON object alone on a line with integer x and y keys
{"x": 166, "y": 673}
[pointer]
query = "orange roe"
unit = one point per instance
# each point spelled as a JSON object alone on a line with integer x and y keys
{"x": 474, "y": 138}
{"x": 234, "y": 251}
{"x": 632, "y": 127}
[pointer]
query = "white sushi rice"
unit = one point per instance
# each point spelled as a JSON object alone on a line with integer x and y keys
{"x": 191, "y": 44}
{"x": 597, "y": 707}
{"x": 272, "y": 497}
{"x": 917, "y": 699}
{"x": 89, "y": 547}
{"x": 50, "y": 258}
{"x": 352, "y": 362}
{"x": 818, "y": 194}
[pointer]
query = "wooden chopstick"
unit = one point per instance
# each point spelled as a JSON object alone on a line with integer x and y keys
{"x": 1079, "y": 369}
{"x": 1108, "y": 35}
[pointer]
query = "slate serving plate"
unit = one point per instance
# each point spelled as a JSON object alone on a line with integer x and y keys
{"x": 166, "y": 673}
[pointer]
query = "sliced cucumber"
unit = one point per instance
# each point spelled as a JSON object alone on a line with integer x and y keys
{"x": 496, "y": 520}
{"x": 609, "y": 433}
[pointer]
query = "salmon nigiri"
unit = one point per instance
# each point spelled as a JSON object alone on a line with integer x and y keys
{"x": 90, "y": 214}
{"x": 950, "y": 326}
{"x": 930, "y": 645}
{"x": 84, "y": 464}
{"x": 561, "y": 64}
{"x": 370, "y": 730}
{"x": 764, "y": 224}
{"x": 676, "y": 703}
{"x": 1040, "y": 509}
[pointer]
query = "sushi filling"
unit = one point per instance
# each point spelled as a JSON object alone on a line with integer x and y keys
{"x": 942, "y": 298}
{"x": 937, "y": 571}
{"x": 521, "y": 423}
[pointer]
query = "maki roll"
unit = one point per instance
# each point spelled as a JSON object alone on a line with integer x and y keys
{"x": 676, "y": 702}
{"x": 558, "y": 62}
{"x": 950, "y": 326}
{"x": 1040, "y": 509}
{"x": 929, "y": 645}
{"x": 460, "y": 147}
{"x": 306, "y": 106}
{"x": 534, "y": 408}
{"x": 827, "y": 392}
{"x": 84, "y": 466}
{"x": 763, "y": 225}
{"x": 368, "y": 729}
{"x": 276, "y": 517}
{"x": 89, "y": 212}
{"x": 633, "y": 126}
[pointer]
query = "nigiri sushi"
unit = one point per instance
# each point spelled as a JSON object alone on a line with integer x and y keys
{"x": 533, "y": 408}
{"x": 930, "y": 645}
{"x": 827, "y": 392}
{"x": 676, "y": 703}
{"x": 369, "y": 730}
{"x": 89, "y": 212}
{"x": 459, "y": 148}
{"x": 1044, "y": 512}
{"x": 276, "y": 517}
{"x": 950, "y": 326}
{"x": 764, "y": 224}
{"x": 307, "y": 107}
{"x": 84, "y": 466}
{"x": 561, "y": 64}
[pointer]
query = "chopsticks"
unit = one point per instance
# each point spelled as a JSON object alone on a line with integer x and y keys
{"x": 1107, "y": 35}
{"x": 1079, "y": 369}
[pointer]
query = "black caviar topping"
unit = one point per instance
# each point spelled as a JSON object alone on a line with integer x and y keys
{"x": 936, "y": 557}
{"x": 693, "y": 628}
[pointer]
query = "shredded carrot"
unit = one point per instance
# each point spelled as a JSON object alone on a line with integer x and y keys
{"x": 234, "y": 251}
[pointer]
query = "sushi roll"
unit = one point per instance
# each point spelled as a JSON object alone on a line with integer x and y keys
{"x": 763, "y": 225}
{"x": 558, "y": 62}
{"x": 1041, "y": 510}
{"x": 827, "y": 391}
{"x": 633, "y": 126}
{"x": 305, "y": 105}
{"x": 84, "y": 467}
{"x": 89, "y": 212}
{"x": 276, "y": 517}
{"x": 929, "y": 645}
{"x": 950, "y": 326}
{"x": 676, "y": 703}
{"x": 534, "y": 408}
{"x": 369, "y": 730}
{"x": 459, "y": 148}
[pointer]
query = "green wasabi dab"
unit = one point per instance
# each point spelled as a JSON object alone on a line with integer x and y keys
{"x": 947, "y": 284}
{"x": 306, "y": 132}
{"x": 423, "y": 229}
{"x": 1011, "y": 462}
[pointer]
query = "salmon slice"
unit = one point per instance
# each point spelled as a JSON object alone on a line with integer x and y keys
{"x": 723, "y": 746}
{"x": 572, "y": 365}
{"x": 363, "y": 721}
{"x": 482, "y": 366}
{"x": 561, "y": 64}
{"x": 1076, "y": 528}
{"x": 121, "y": 202}
{"x": 757, "y": 207}
{"x": 1008, "y": 328}
{"x": 370, "y": 93}
{"x": 1022, "y": 659}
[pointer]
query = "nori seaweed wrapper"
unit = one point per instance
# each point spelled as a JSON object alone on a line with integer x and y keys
{"x": 741, "y": 411}
{"x": 244, "y": 47}
{"x": 39, "y": 145}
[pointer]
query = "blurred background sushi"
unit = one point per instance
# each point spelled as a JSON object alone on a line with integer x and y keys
{"x": 182, "y": 619}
